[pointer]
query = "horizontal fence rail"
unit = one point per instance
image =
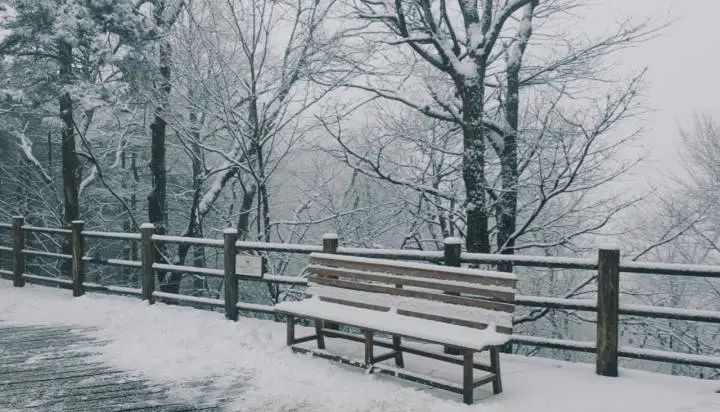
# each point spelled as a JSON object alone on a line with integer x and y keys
{"x": 111, "y": 235}
{"x": 534, "y": 261}
{"x": 49, "y": 230}
{"x": 671, "y": 269}
{"x": 607, "y": 306}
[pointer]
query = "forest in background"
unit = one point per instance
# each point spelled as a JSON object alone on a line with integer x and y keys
{"x": 392, "y": 123}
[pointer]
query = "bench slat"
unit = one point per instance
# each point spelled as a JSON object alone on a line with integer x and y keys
{"x": 457, "y": 300}
{"x": 500, "y": 327}
{"x": 416, "y": 269}
{"x": 501, "y": 293}
{"x": 454, "y": 321}
{"x": 467, "y": 315}
{"x": 355, "y": 304}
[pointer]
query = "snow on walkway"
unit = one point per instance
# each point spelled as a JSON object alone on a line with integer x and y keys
{"x": 170, "y": 344}
{"x": 53, "y": 368}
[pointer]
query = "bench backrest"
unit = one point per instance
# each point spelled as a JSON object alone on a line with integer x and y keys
{"x": 469, "y": 297}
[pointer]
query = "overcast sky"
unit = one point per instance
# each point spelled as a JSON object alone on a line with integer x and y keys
{"x": 683, "y": 68}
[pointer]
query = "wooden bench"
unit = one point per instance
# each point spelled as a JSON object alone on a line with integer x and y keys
{"x": 465, "y": 310}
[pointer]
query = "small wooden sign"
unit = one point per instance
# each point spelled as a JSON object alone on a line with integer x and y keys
{"x": 249, "y": 265}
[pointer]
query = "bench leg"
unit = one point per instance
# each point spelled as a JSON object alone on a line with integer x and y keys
{"x": 495, "y": 366}
{"x": 319, "y": 323}
{"x": 398, "y": 353}
{"x": 368, "y": 347}
{"x": 290, "y": 330}
{"x": 468, "y": 384}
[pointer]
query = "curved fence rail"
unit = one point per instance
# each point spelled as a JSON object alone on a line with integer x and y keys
{"x": 607, "y": 306}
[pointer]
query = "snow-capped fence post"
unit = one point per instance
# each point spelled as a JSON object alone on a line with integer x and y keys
{"x": 78, "y": 250}
{"x": 230, "y": 237}
{"x": 452, "y": 247}
{"x": 17, "y": 247}
{"x": 330, "y": 243}
{"x": 607, "y": 311}
{"x": 147, "y": 250}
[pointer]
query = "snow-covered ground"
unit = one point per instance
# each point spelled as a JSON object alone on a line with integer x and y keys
{"x": 183, "y": 344}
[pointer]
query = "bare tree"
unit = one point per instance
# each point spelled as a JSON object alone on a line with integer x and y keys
{"x": 454, "y": 47}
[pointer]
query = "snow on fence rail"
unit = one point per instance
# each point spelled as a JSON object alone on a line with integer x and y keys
{"x": 112, "y": 262}
{"x": 672, "y": 269}
{"x": 623, "y": 351}
{"x": 189, "y": 269}
{"x": 589, "y": 305}
{"x": 398, "y": 254}
{"x": 608, "y": 265}
{"x": 196, "y": 241}
{"x": 536, "y": 261}
{"x": 49, "y": 230}
{"x": 277, "y": 247}
{"x": 111, "y": 235}
{"x": 41, "y": 253}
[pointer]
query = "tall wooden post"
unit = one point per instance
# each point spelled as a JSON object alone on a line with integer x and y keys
{"x": 607, "y": 312}
{"x": 78, "y": 250}
{"x": 147, "y": 251}
{"x": 18, "y": 246}
{"x": 452, "y": 247}
{"x": 230, "y": 236}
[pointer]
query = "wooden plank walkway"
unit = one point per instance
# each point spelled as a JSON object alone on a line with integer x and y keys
{"x": 52, "y": 368}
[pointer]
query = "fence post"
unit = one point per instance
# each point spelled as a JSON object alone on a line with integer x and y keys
{"x": 147, "y": 250}
{"x": 607, "y": 311}
{"x": 230, "y": 236}
{"x": 330, "y": 243}
{"x": 78, "y": 250}
{"x": 18, "y": 246}
{"x": 452, "y": 247}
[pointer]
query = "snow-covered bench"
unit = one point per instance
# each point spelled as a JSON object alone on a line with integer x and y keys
{"x": 464, "y": 309}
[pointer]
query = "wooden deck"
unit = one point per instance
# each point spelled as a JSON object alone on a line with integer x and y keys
{"x": 52, "y": 368}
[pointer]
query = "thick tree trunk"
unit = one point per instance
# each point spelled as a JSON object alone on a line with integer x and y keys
{"x": 477, "y": 236}
{"x": 507, "y": 200}
{"x": 507, "y": 203}
{"x": 70, "y": 164}
{"x": 157, "y": 204}
{"x": 243, "y": 224}
{"x": 256, "y": 150}
{"x": 157, "y": 207}
{"x": 194, "y": 227}
{"x": 129, "y": 185}
{"x": 265, "y": 211}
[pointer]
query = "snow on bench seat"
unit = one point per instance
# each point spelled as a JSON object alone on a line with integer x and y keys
{"x": 395, "y": 324}
{"x": 416, "y": 305}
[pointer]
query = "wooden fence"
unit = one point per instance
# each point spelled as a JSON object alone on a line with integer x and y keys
{"x": 608, "y": 266}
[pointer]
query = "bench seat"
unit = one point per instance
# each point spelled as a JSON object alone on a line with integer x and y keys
{"x": 460, "y": 314}
{"x": 392, "y": 323}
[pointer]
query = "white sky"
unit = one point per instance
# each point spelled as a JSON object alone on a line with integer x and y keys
{"x": 683, "y": 69}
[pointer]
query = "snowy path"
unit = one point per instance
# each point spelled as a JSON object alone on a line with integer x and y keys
{"x": 171, "y": 349}
{"x": 52, "y": 368}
